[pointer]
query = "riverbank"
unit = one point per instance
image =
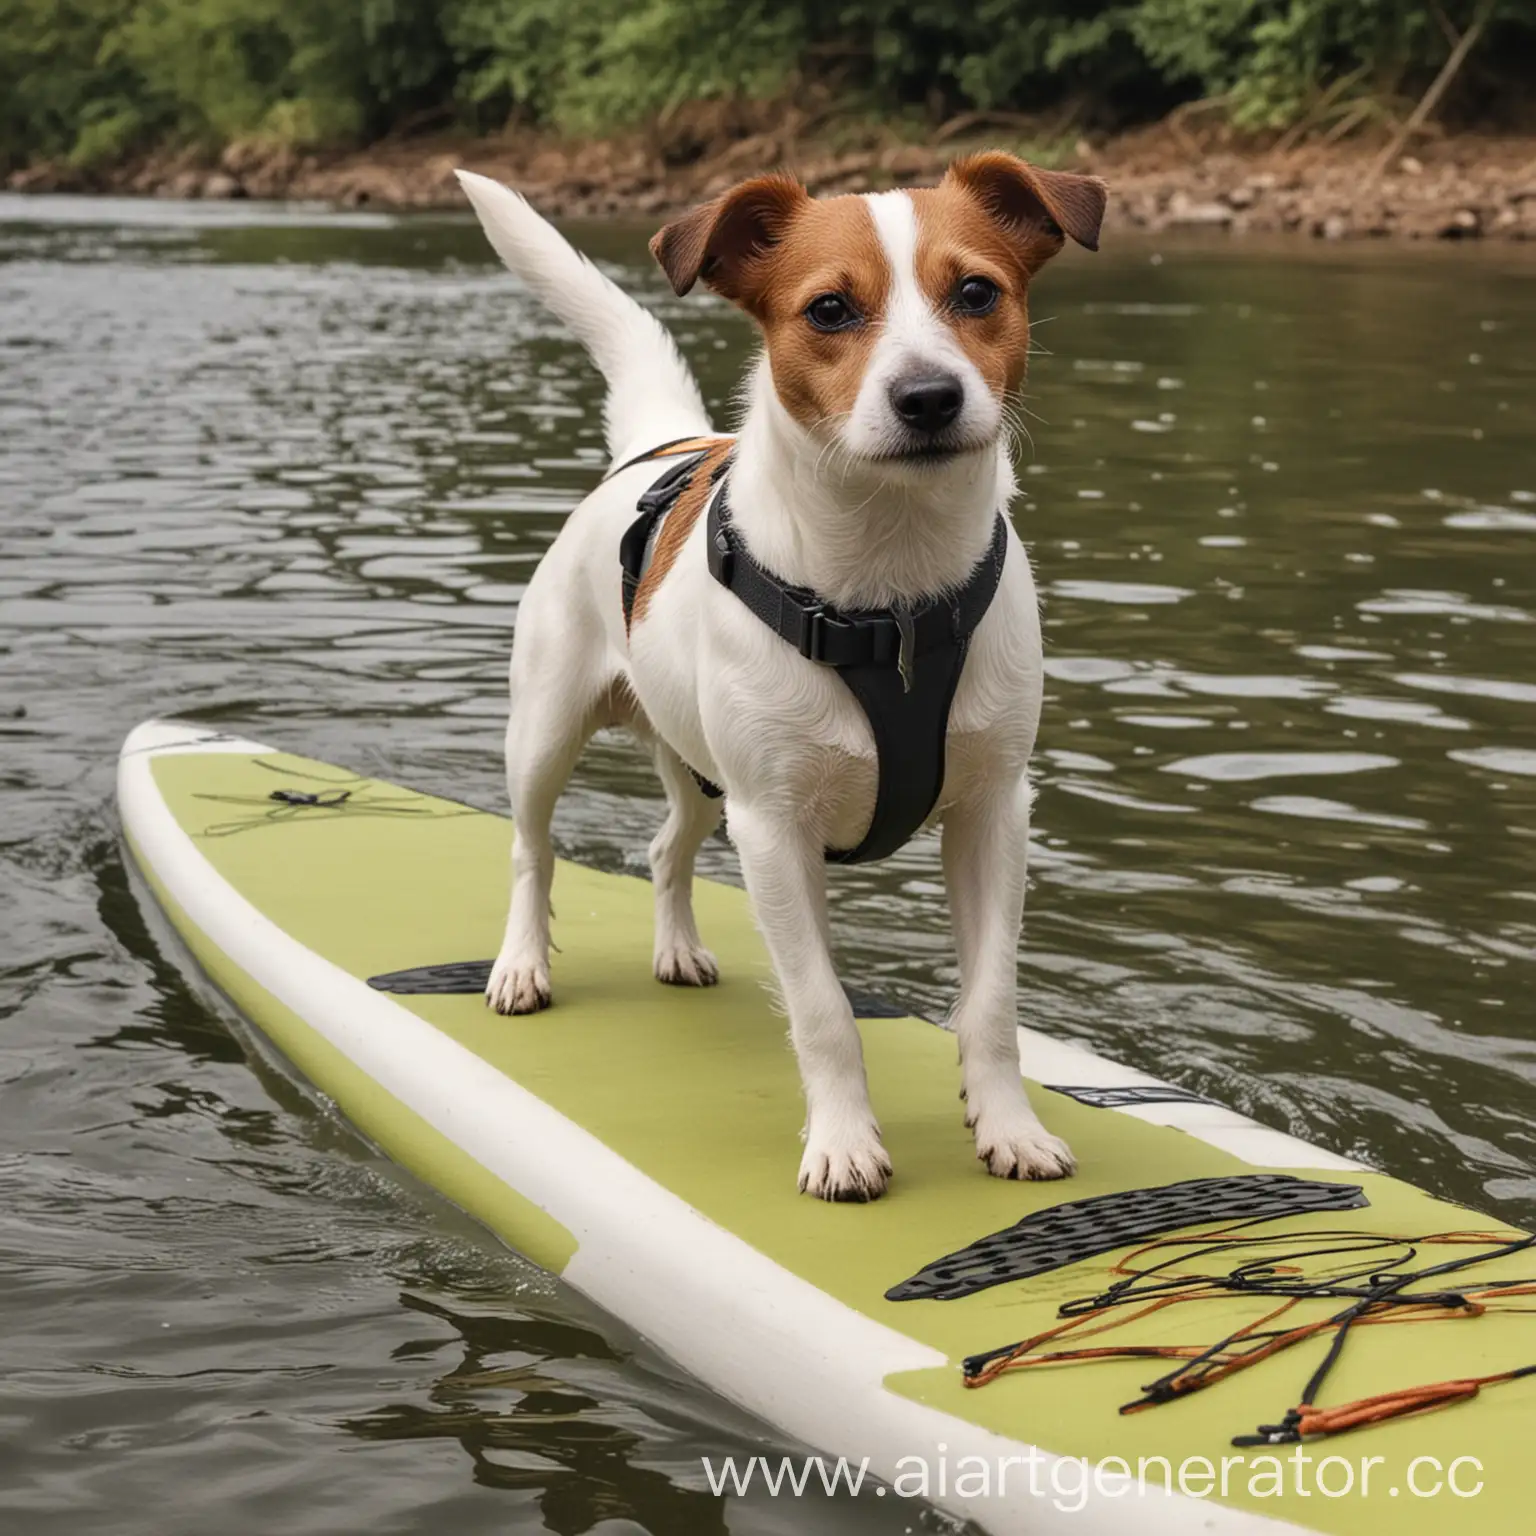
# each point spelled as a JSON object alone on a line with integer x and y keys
{"x": 1457, "y": 187}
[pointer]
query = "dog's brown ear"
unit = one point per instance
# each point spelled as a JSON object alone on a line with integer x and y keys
{"x": 722, "y": 240}
{"x": 1027, "y": 200}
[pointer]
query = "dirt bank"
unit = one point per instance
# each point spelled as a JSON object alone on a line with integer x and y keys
{"x": 1443, "y": 188}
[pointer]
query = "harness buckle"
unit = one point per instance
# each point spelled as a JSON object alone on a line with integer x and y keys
{"x": 722, "y": 558}
{"x": 811, "y": 639}
{"x": 810, "y": 629}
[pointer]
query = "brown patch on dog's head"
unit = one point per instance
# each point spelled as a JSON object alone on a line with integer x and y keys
{"x": 997, "y": 217}
{"x": 772, "y": 249}
{"x": 1031, "y": 203}
{"x": 727, "y": 241}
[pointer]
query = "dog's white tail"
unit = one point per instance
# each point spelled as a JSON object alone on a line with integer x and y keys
{"x": 652, "y": 396}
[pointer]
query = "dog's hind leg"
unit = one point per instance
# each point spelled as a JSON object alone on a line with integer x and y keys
{"x": 559, "y": 698}
{"x": 540, "y": 756}
{"x": 680, "y": 956}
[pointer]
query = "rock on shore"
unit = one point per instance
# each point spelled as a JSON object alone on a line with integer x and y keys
{"x": 1454, "y": 188}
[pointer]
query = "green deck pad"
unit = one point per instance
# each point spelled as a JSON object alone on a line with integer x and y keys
{"x": 698, "y": 1089}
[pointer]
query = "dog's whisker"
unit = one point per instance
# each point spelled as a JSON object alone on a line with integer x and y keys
{"x": 833, "y": 448}
{"x": 1013, "y": 417}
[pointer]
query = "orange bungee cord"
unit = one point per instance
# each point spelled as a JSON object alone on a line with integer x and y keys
{"x": 1377, "y": 1292}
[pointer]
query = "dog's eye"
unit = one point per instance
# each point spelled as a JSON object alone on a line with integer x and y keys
{"x": 976, "y": 296}
{"x": 832, "y": 312}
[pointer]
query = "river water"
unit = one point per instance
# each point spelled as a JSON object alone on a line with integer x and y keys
{"x": 287, "y": 471}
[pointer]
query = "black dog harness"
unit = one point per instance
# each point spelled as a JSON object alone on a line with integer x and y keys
{"x": 659, "y": 499}
{"x": 902, "y": 664}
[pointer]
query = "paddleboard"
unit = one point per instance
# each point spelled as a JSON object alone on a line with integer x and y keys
{"x": 641, "y": 1141}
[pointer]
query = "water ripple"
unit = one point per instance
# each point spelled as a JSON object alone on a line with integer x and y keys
{"x": 1238, "y": 767}
{"x": 289, "y": 471}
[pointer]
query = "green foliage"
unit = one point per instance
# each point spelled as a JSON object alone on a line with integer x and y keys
{"x": 594, "y": 64}
{"x": 1272, "y": 60}
{"x": 53, "y": 88}
{"x": 94, "y": 79}
{"x": 98, "y": 79}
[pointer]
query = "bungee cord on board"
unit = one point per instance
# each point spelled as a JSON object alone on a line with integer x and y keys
{"x": 1376, "y": 1291}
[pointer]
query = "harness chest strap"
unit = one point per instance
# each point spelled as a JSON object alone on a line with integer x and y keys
{"x": 902, "y": 665}
{"x": 638, "y": 545}
{"x": 639, "y": 541}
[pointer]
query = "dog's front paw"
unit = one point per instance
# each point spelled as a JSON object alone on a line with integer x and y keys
{"x": 518, "y": 986}
{"x": 685, "y": 965}
{"x": 1014, "y": 1145}
{"x": 853, "y": 1166}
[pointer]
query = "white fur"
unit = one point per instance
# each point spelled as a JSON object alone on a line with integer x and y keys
{"x": 707, "y": 684}
{"x": 913, "y": 339}
{"x": 650, "y": 389}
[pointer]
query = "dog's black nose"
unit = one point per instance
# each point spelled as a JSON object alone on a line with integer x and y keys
{"x": 930, "y": 402}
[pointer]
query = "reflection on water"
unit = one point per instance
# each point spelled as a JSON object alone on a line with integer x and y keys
{"x": 287, "y": 472}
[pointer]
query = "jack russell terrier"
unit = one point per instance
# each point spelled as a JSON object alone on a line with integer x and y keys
{"x": 825, "y": 625}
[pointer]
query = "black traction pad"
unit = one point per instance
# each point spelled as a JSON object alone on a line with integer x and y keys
{"x": 1083, "y": 1229}
{"x": 1130, "y": 1096}
{"x": 450, "y": 978}
{"x": 468, "y": 977}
